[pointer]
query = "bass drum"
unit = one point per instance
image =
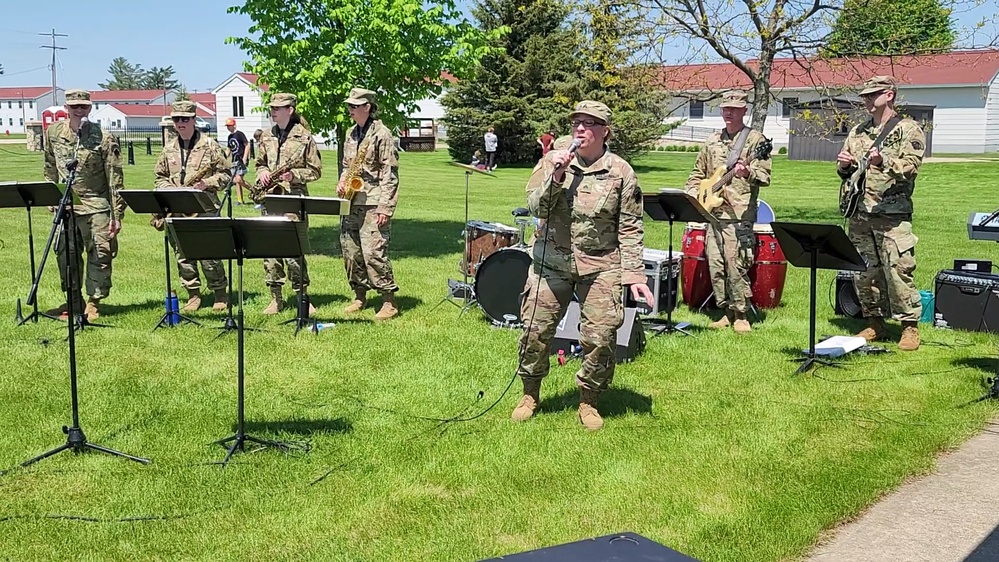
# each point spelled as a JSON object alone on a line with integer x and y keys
{"x": 499, "y": 284}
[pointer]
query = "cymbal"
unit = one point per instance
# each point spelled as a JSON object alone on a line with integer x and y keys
{"x": 471, "y": 168}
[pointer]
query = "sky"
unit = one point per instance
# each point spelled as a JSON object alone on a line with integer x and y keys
{"x": 145, "y": 33}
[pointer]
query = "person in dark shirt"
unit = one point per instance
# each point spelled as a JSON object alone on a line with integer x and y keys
{"x": 239, "y": 147}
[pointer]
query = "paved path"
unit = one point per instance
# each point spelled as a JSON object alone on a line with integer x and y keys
{"x": 951, "y": 515}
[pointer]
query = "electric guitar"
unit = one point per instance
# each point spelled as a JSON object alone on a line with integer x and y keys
{"x": 852, "y": 191}
{"x": 707, "y": 191}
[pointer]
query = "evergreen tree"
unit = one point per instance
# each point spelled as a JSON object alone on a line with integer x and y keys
{"x": 124, "y": 75}
{"x": 890, "y": 27}
{"x": 512, "y": 89}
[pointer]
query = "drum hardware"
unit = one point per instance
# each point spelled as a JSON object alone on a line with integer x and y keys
{"x": 499, "y": 285}
{"x": 463, "y": 289}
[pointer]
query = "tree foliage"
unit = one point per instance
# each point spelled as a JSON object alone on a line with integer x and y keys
{"x": 513, "y": 89}
{"x": 128, "y": 76}
{"x": 887, "y": 27}
{"x": 319, "y": 50}
{"x": 157, "y": 78}
{"x": 1, "y": 70}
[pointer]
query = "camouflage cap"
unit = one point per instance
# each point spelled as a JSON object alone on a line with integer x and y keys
{"x": 283, "y": 100}
{"x": 878, "y": 84}
{"x": 734, "y": 98}
{"x": 360, "y": 96}
{"x": 183, "y": 108}
{"x": 77, "y": 97}
{"x": 593, "y": 109}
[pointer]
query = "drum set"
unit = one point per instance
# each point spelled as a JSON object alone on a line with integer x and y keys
{"x": 497, "y": 259}
{"x": 767, "y": 275}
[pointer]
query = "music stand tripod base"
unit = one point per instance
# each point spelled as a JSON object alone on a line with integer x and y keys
{"x": 808, "y": 362}
{"x": 77, "y": 442}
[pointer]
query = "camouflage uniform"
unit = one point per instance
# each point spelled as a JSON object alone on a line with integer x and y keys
{"x": 882, "y": 227}
{"x": 364, "y": 243}
{"x": 275, "y": 149}
{"x": 179, "y": 167}
{"x": 98, "y": 179}
{"x": 591, "y": 245}
{"x": 730, "y": 249}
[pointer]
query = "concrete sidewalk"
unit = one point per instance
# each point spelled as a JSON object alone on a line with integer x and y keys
{"x": 951, "y": 515}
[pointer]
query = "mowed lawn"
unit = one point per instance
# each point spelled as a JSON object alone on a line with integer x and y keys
{"x": 712, "y": 445}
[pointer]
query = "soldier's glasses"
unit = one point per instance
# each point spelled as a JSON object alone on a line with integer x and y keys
{"x": 181, "y": 119}
{"x": 586, "y": 123}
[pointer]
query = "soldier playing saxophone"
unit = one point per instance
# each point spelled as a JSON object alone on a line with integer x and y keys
{"x": 287, "y": 159}
{"x": 369, "y": 155}
{"x": 194, "y": 160}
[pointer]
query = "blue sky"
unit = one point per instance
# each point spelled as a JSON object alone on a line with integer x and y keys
{"x": 143, "y": 32}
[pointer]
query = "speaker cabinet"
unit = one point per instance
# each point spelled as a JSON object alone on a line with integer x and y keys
{"x": 630, "y": 336}
{"x": 611, "y": 548}
{"x": 847, "y": 303}
{"x": 966, "y": 300}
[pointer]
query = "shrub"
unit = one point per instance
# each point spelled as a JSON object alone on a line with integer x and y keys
{"x": 783, "y": 150}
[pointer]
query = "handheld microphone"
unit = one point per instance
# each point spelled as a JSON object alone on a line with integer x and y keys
{"x": 574, "y": 145}
{"x": 83, "y": 123}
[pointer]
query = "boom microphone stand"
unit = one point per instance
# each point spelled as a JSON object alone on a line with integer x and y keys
{"x": 66, "y": 218}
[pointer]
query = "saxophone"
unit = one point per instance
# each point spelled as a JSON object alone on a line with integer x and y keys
{"x": 352, "y": 181}
{"x": 258, "y": 192}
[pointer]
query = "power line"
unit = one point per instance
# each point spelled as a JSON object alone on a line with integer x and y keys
{"x": 54, "y": 48}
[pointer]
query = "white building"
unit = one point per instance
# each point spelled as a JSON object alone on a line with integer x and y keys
{"x": 961, "y": 87}
{"x": 100, "y": 98}
{"x": 22, "y": 104}
{"x": 124, "y": 116}
{"x": 238, "y": 97}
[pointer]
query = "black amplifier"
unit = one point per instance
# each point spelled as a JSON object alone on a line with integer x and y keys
{"x": 661, "y": 273}
{"x": 966, "y": 300}
{"x": 847, "y": 303}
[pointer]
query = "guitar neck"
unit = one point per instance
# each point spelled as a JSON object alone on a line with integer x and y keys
{"x": 723, "y": 181}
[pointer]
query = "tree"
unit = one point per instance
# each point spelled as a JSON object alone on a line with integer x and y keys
{"x": 180, "y": 93}
{"x": 607, "y": 75}
{"x": 319, "y": 50}
{"x": 886, "y": 27}
{"x": 157, "y": 78}
{"x": 513, "y": 89}
{"x": 1, "y": 70}
{"x": 124, "y": 75}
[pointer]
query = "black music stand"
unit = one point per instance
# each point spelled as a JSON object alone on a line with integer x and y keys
{"x": 672, "y": 205}
{"x": 29, "y": 194}
{"x": 229, "y": 324}
{"x": 457, "y": 288}
{"x": 65, "y": 218}
{"x": 816, "y": 246}
{"x": 179, "y": 201}
{"x": 218, "y": 238}
{"x": 302, "y": 206}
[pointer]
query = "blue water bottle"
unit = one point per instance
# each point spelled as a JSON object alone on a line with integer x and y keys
{"x": 173, "y": 310}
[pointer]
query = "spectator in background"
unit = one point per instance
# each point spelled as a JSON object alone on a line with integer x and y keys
{"x": 491, "y": 141}
{"x": 546, "y": 140}
{"x": 239, "y": 149}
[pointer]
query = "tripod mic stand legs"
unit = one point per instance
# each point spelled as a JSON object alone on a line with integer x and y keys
{"x": 77, "y": 442}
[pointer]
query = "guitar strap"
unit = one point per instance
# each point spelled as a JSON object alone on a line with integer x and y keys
{"x": 740, "y": 142}
{"x": 885, "y": 131}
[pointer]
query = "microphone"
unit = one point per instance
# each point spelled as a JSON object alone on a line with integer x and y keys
{"x": 574, "y": 145}
{"x": 83, "y": 123}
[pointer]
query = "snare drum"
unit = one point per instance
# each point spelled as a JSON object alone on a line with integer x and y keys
{"x": 695, "y": 279}
{"x": 769, "y": 270}
{"x": 483, "y": 239}
{"x": 499, "y": 284}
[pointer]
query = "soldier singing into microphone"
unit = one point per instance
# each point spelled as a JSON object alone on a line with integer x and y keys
{"x": 590, "y": 246}
{"x": 99, "y": 211}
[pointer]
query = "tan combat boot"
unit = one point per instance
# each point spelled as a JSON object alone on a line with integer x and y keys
{"x": 360, "y": 299}
{"x": 277, "y": 301}
{"x": 193, "y": 301}
{"x": 529, "y": 402}
{"x": 875, "y": 330}
{"x": 741, "y": 325}
{"x": 93, "y": 314}
{"x": 723, "y": 322}
{"x": 388, "y": 309}
{"x": 588, "y": 414}
{"x": 221, "y": 300}
{"x": 910, "y": 336}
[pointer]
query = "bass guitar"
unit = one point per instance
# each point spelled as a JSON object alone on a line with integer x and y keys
{"x": 707, "y": 191}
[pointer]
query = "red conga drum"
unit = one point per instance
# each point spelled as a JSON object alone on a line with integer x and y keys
{"x": 695, "y": 279}
{"x": 769, "y": 269}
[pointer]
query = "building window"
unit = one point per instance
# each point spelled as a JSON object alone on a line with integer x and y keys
{"x": 786, "y": 105}
{"x": 22, "y": 121}
{"x": 696, "y": 109}
{"x": 237, "y": 106}
{"x": 10, "y": 121}
{"x": 10, "y": 105}
{"x": 20, "y": 104}
{"x": 31, "y": 104}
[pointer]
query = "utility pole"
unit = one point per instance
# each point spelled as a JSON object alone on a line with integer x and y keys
{"x": 53, "y": 35}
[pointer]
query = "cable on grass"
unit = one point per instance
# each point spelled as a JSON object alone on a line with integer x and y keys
{"x": 89, "y": 519}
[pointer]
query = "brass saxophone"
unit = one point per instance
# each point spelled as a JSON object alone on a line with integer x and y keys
{"x": 259, "y": 191}
{"x": 353, "y": 182}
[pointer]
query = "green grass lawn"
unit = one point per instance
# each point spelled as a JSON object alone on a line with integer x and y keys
{"x": 711, "y": 445}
